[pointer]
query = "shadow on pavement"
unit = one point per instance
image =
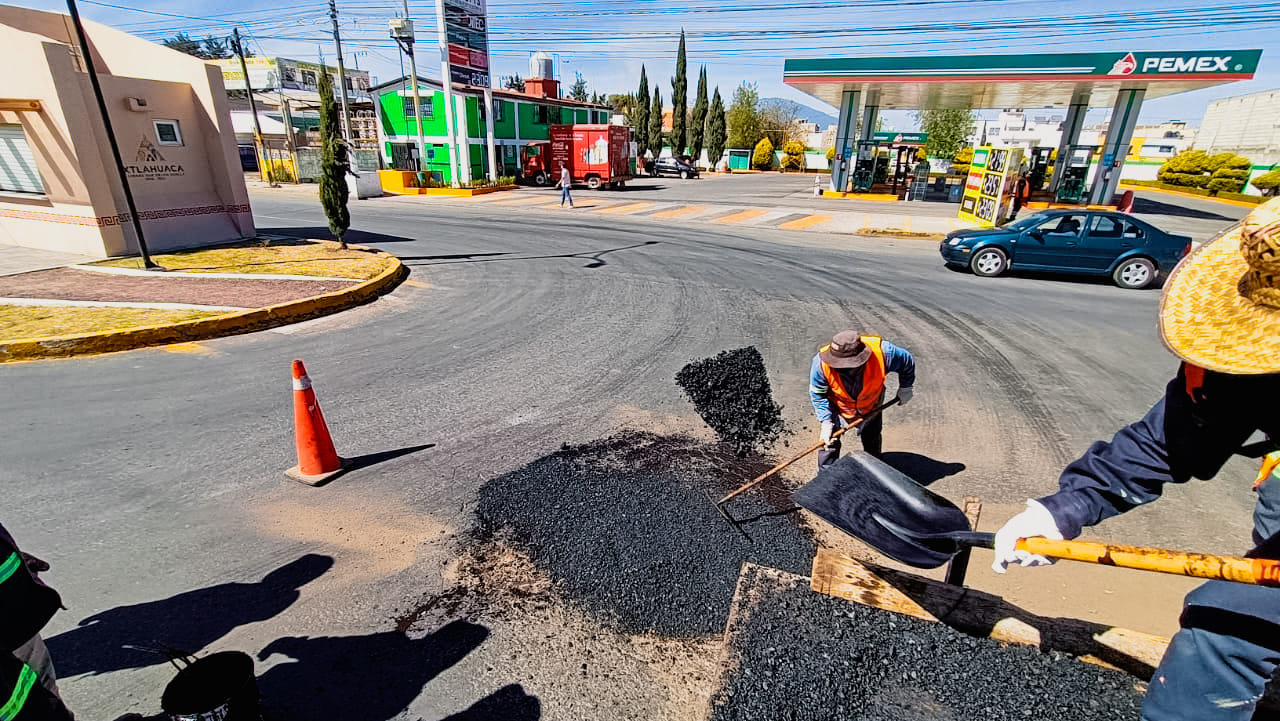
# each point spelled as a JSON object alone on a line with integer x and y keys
{"x": 373, "y": 677}
{"x": 923, "y": 469}
{"x": 596, "y": 261}
{"x": 359, "y": 237}
{"x": 372, "y": 459}
{"x": 1143, "y": 206}
{"x": 509, "y": 703}
{"x": 187, "y": 622}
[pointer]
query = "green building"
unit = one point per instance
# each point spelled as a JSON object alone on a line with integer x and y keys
{"x": 517, "y": 120}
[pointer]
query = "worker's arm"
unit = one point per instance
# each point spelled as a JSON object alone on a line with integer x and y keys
{"x": 900, "y": 361}
{"x": 1189, "y": 434}
{"x": 818, "y": 391}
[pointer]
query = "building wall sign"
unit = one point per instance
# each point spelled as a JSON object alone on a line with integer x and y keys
{"x": 149, "y": 164}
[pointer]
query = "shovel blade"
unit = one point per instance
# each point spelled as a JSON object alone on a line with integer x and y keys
{"x": 886, "y": 509}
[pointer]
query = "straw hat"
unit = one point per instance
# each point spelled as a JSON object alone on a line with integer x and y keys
{"x": 1221, "y": 305}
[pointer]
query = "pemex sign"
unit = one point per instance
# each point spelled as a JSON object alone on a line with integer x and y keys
{"x": 1227, "y": 62}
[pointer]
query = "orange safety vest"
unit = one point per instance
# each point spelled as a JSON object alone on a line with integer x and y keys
{"x": 873, "y": 376}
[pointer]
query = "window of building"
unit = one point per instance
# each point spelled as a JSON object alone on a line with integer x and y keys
{"x": 428, "y": 112}
{"x": 497, "y": 111}
{"x": 540, "y": 114}
{"x": 168, "y": 132}
{"x": 18, "y": 172}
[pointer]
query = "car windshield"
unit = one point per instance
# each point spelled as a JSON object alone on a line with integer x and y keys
{"x": 1027, "y": 222}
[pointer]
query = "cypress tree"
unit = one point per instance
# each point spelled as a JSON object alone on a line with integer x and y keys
{"x": 717, "y": 132}
{"x": 655, "y": 122}
{"x": 679, "y": 101}
{"x": 333, "y": 163}
{"x": 698, "y": 128}
{"x": 642, "y": 114}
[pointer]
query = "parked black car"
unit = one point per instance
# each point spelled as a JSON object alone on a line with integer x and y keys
{"x": 1133, "y": 252}
{"x": 673, "y": 166}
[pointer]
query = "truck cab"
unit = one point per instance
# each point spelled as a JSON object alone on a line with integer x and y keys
{"x": 533, "y": 163}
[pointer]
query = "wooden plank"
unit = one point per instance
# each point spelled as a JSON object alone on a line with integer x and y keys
{"x": 984, "y": 614}
{"x": 20, "y": 105}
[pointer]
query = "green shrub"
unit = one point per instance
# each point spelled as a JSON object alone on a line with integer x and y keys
{"x": 1224, "y": 185}
{"x": 762, "y": 157}
{"x": 960, "y": 164}
{"x": 1268, "y": 183}
{"x": 793, "y": 156}
{"x": 831, "y": 153}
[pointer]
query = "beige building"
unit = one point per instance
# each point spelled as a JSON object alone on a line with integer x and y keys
{"x": 59, "y": 187}
{"x": 1248, "y": 125}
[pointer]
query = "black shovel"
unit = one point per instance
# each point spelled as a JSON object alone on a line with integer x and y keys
{"x": 889, "y": 511}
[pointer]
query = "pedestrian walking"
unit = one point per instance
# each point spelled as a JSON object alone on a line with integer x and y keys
{"x": 846, "y": 382}
{"x": 1220, "y": 315}
{"x": 565, "y": 182}
{"x": 26, "y": 605}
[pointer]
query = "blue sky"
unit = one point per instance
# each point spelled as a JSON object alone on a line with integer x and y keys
{"x": 607, "y": 40}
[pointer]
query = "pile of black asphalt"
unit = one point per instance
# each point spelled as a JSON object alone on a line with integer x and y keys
{"x": 731, "y": 392}
{"x": 626, "y": 530}
{"x": 800, "y": 655}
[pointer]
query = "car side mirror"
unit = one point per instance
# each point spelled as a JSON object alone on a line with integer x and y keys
{"x": 1037, "y": 234}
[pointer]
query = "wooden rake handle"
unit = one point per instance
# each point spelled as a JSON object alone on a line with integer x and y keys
{"x": 1256, "y": 571}
{"x": 763, "y": 476}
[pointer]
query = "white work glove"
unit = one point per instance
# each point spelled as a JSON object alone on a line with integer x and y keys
{"x": 1035, "y": 521}
{"x": 904, "y": 395}
{"x": 825, "y": 434}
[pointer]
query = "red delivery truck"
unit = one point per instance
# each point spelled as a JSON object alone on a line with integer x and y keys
{"x": 596, "y": 155}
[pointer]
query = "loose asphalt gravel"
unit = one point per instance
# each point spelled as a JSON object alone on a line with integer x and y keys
{"x": 797, "y": 655}
{"x": 730, "y": 391}
{"x": 625, "y": 528}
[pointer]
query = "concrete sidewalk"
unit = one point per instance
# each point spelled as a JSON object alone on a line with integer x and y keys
{"x": 17, "y": 259}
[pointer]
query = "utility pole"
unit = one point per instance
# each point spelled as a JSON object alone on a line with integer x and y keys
{"x": 342, "y": 73}
{"x": 258, "y": 144}
{"x": 87, "y": 55}
{"x": 446, "y": 79}
{"x": 405, "y": 35}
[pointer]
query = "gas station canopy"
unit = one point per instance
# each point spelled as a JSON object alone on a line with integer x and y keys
{"x": 1017, "y": 81}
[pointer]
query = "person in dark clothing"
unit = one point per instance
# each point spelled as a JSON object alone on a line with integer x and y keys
{"x": 27, "y": 679}
{"x": 846, "y": 381}
{"x": 1221, "y": 315}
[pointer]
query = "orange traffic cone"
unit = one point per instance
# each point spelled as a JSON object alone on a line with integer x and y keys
{"x": 317, "y": 459}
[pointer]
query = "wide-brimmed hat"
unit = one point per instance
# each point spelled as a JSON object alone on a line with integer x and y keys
{"x": 846, "y": 350}
{"x": 1221, "y": 305}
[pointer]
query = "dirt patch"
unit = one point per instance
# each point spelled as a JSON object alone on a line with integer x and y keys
{"x": 280, "y": 256}
{"x": 624, "y": 529}
{"x": 72, "y": 284}
{"x": 731, "y": 393}
{"x": 796, "y": 654}
{"x": 895, "y": 233}
{"x": 35, "y": 321}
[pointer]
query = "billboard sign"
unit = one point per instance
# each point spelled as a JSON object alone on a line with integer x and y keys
{"x": 286, "y": 74}
{"x": 466, "y": 29}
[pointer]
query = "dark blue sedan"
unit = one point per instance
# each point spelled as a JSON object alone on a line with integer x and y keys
{"x": 1087, "y": 242}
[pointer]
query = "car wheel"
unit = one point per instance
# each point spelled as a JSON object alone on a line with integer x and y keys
{"x": 684, "y": 175}
{"x": 593, "y": 182}
{"x": 989, "y": 262}
{"x": 1134, "y": 273}
{"x": 540, "y": 179}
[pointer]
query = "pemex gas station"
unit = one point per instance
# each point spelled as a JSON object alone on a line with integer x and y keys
{"x": 861, "y": 87}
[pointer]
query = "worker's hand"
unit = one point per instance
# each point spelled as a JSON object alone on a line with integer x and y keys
{"x": 825, "y": 434}
{"x": 904, "y": 395}
{"x": 1035, "y": 521}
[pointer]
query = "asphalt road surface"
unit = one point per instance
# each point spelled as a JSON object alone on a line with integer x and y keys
{"x": 153, "y": 480}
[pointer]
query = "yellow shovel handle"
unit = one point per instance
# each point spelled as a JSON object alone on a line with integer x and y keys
{"x": 1257, "y": 571}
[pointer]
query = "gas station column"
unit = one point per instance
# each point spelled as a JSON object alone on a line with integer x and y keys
{"x": 1071, "y": 128}
{"x": 846, "y": 130}
{"x": 870, "y": 115}
{"x": 1124, "y": 119}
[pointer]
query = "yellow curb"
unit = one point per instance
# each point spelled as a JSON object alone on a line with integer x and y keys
{"x": 802, "y": 223}
{"x": 880, "y": 197}
{"x": 202, "y": 329}
{"x": 628, "y": 208}
{"x": 466, "y": 192}
{"x": 679, "y": 212}
{"x": 742, "y": 216}
{"x": 1239, "y": 203}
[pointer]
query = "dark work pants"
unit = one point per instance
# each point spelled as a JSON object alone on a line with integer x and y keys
{"x": 872, "y": 442}
{"x": 1217, "y": 666}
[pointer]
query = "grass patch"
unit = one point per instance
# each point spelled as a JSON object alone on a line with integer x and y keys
{"x": 277, "y": 257}
{"x": 35, "y": 321}
{"x": 895, "y": 233}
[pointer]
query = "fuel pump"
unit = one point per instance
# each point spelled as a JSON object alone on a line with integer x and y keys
{"x": 864, "y": 169}
{"x": 1041, "y": 161}
{"x": 1075, "y": 173}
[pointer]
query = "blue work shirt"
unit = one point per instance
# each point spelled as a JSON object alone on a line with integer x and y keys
{"x": 896, "y": 360}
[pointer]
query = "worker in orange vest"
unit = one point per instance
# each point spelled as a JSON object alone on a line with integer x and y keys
{"x": 1021, "y": 194}
{"x": 846, "y": 382}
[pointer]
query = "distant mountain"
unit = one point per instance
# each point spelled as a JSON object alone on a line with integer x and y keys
{"x": 802, "y": 111}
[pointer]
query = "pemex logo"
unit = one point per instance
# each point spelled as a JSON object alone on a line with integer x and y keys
{"x": 1124, "y": 66}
